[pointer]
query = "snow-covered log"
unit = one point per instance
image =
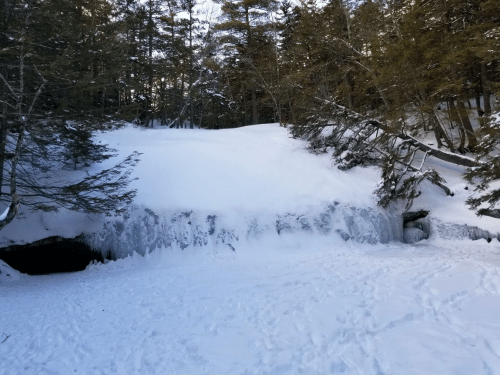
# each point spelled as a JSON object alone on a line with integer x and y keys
{"x": 439, "y": 154}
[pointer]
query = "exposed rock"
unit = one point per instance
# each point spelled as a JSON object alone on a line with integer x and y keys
{"x": 343, "y": 234}
{"x": 412, "y": 216}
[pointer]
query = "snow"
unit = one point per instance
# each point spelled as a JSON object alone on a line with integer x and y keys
{"x": 301, "y": 301}
{"x": 255, "y": 168}
{"x": 286, "y": 308}
{"x": 254, "y": 171}
{"x": 8, "y": 275}
{"x": 4, "y": 214}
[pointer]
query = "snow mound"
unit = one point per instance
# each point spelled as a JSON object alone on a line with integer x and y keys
{"x": 8, "y": 274}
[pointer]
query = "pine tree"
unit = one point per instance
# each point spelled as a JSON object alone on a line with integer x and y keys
{"x": 244, "y": 32}
{"x": 32, "y": 146}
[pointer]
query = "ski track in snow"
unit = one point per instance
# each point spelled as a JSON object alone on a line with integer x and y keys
{"x": 385, "y": 309}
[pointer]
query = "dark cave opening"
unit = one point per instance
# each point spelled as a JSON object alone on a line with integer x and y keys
{"x": 51, "y": 255}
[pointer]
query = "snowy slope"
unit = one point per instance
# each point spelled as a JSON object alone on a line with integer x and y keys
{"x": 255, "y": 168}
{"x": 238, "y": 175}
{"x": 298, "y": 302}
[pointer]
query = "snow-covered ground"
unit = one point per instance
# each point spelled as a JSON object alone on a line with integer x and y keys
{"x": 290, "y": 303}
{"x": 276, "y": 309}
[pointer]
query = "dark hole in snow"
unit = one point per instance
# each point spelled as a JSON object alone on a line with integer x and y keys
{"x": 51, "y": 255}
{"x": 412, "y": 216}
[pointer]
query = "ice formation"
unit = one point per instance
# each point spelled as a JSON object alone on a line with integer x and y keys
{"x": 143, "y": 230}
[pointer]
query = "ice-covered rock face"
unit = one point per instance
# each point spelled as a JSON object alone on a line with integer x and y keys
{"x": 433, "y": 228}
{"x": 451, "y": 231}
{"x": 413, "y": 234}
{"x": 142, "y": 229}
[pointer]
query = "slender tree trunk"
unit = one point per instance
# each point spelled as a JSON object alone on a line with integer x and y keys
{"x": 464, "y": 119}
{"x": 255, "y": 117}
{"x": 439, "y": 131}
{"x": 245, "y": 109}
{"x": 3, "y": 136}
{"x": 455, "y": 118}
{"x": 150, "y": 54}
{"x": 348, "y": 90}
{"x": 191, "y": 107}
{"x": 486, "y": 89}
{"x": 478, "y": 104}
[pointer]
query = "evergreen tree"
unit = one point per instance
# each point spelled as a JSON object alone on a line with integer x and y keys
{"x": 244, "y": 34}
{"x": 32, "y": 146}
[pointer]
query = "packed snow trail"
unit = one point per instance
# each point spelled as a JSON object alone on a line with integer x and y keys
{"x": 280, "y": 309}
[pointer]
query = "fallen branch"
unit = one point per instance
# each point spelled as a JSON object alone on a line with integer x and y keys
{"x": 5, "y": 338}
{"x": 415, "y": 169}
{"x": 442, "y": 155}
{"x": 439, "y": 154}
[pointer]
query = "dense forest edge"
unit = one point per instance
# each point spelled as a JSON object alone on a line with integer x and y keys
{"x": 390, "y": 83}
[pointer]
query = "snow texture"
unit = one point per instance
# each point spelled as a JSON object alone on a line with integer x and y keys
{"x": 8, "y": 275}
{"x": 296, "y": 307}
{"x": 259, "y": 259}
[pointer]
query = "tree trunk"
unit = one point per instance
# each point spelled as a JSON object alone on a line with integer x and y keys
{"x": 486, "y": 89}
{"x": 3, "y": 141}
{"x": 464, "y": 119}
{"x": 255, "y": 117}
{"x": 455, "y": 119}
{"x": 191, "y": 107}
{"x": 150, "y": 54}
{"x": 478, "y": 104}
{"x": 439, "y": 131}
{"x": 250, "y": 56}
{"x": 348, "y": 90}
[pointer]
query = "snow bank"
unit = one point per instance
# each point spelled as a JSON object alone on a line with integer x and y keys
{"x": 8, "y": 275}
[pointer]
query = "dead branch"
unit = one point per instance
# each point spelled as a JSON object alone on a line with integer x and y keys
{"x": 415, "y": 169}
{"x": 5, "y": 338}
